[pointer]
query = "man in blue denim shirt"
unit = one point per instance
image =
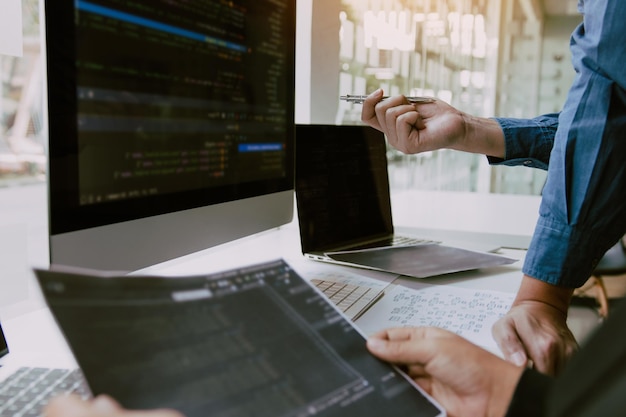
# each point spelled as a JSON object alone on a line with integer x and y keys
{"x": 583, "y": 208}
{"x": 583, "y": 205}
{"x": 582, "y": 214}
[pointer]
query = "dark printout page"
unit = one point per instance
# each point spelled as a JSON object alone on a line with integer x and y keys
{"x": 422, "y": 261}
{"x": 259, "y": 341}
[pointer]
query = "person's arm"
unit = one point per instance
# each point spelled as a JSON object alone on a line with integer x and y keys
{"x": 583, "y": 210}
{"x": 528, "y": 142}
{"x": 420, "y": 127}
{"x": 464, "y": 378}
{"x": 534, "y": 331}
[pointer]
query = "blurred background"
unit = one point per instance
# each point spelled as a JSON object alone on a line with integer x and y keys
{"x": 505, "y": 58}
{"x": 22, "y": 136}
{"x": 486, "y": 57}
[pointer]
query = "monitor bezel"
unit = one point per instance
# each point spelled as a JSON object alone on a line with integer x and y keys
{"x": 71, "y": 223}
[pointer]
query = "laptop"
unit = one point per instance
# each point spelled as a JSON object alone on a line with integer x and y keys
{"x": 28, "y": 381}
{"x": 342, "y": 190}
{"x": 344, "y": 207}
{"x": 257, "y": 340}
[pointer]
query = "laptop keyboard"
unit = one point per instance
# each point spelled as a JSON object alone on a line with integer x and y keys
{"x": 352, "y": 300}
{"x": 396, "y": 240}
{"x": 399, "y": 240}
{"x": 28, "y": 389}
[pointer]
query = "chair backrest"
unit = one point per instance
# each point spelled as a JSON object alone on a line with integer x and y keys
{"x": 614, "y": 260}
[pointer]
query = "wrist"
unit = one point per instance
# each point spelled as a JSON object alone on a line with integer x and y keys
{"x": 483, "y": 136}
{"x": 504, "y": 389}
{"x": 534, "y": 290}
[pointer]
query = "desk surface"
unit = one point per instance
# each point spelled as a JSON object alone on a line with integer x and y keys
{"x": 490, "y": 218}
{"x": 466, "y": 212}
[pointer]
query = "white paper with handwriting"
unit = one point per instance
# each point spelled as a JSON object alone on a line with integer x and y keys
{"x": 468, "y": 312}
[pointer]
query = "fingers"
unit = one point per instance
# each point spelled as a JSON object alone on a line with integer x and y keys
{"x": 509, "y": 342}
{"x": 101, "y": 406}
{"x": 368, "y": 112}
{"x": 391, "y": 345}
{"x": 401, "y": 120}
{"x": 549, "y": 348}
{"x": 533, "y": 333}
{"x": 152, "y": 413}
{"x": 381, "y": 114}
{"x": 394, "y": 116}
{"x": 105, "y": 404}
{"x": 406, "y": 345}
{"x": 66, "y": 406}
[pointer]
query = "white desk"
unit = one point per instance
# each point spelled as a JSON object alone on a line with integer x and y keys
{"x": 508, "y": 219}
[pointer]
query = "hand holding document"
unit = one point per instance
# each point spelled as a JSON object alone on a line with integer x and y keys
{"x": 256, "y": 340}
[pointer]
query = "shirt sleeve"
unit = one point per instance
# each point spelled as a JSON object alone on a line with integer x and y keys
{"x": 527, "y": 142}
{"x": 530, "y": 395}
{"x": 583, "y": 206}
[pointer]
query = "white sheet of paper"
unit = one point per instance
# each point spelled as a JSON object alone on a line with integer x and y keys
{"x": 11, "y": 28}
{"x": 467, "y": 312}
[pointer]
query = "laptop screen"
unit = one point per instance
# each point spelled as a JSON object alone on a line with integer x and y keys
{"x": 342, "y": 186}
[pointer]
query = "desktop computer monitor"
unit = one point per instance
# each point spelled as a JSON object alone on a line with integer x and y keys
{"x": 171, "y": 126}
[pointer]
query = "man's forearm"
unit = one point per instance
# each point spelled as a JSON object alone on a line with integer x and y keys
{"x": 533, "y": 289}
{"x": 483, "y": 136}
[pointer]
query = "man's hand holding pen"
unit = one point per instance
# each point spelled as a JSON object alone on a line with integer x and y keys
{"x": 427, "y": 125}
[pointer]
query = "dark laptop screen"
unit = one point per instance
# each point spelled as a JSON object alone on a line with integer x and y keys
{"x": 342, "y": 186}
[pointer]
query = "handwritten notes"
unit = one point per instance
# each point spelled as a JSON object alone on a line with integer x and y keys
{"x": 467, "y": 312}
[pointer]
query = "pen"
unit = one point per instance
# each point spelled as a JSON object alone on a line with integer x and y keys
{"x": 358, "y": 99}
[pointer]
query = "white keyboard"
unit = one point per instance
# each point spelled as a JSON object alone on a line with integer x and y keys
{"x": 25, "y": 392}
{"x": 353, "y": 300}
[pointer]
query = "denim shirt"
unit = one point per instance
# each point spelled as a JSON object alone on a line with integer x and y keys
{"x": 583, "y": 206}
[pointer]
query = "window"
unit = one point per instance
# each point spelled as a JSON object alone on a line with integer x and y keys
{"x": 22, "y": 130}
{"x": 485, "y": 57}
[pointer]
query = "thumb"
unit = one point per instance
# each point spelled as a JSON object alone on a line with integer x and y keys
{"x": 513, "y": 351}
{"x": 105, "y": 404}
{"x": 379, "y": 347}
{"x": 402, "y": 345}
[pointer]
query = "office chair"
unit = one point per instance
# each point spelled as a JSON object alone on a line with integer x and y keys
{"x": 612, "y": 263}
